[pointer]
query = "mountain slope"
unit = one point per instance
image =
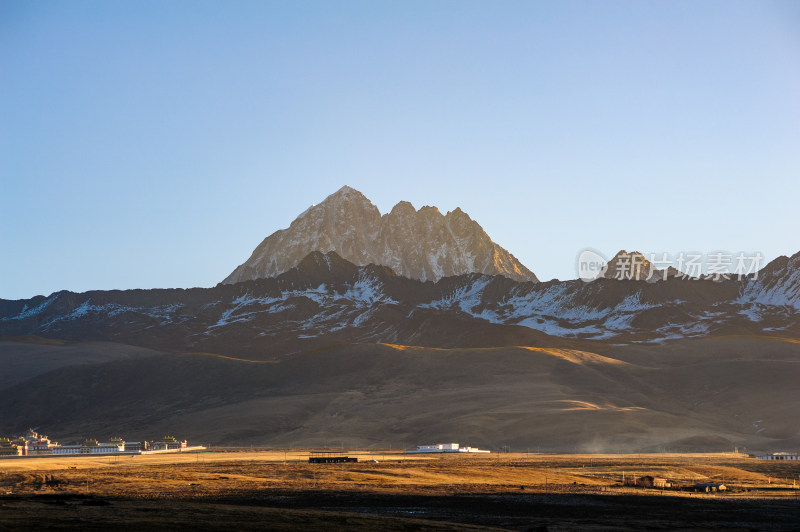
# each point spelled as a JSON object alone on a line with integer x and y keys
{"x": 777, "y": 284}
{"x": 327, "y": 300}
{"x": 330, "y": 350}
{"x": 422, "y": 244}
{"x": 692, "y": 395}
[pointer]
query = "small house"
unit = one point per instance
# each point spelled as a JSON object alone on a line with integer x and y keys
{"x": 648, "y": 481}
{"x": 707, "y": 487}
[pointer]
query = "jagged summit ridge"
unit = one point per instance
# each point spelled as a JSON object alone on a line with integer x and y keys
{"x": 421, "y": 244}
{"x": 634, "y": 266}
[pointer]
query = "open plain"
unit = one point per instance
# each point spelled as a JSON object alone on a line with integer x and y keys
{"x": 250, "y": 489}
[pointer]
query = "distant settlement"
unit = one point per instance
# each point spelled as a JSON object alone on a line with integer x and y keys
{"x": 34, "y": 444}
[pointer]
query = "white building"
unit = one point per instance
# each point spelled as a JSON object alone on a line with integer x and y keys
{"x": 67, "y": 449}
{"x": 444, "y": 448}
{"x": 37, "y": 444}
{"x": 105, "y": 448}
{"x": 90, "y": 448}
{"x": 779, "y": 456}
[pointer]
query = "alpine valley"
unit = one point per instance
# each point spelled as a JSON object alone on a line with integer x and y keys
{"x": 376, "y": 330}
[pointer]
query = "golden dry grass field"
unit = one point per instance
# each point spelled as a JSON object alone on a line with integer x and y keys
{"x": 281, "y": 490}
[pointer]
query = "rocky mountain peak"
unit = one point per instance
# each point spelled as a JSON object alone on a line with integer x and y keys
{"x": 780, "y": 265}
{"x": 346, "y": 198}
{"x": 634, "y": 266}
{"x": 777, "y": 283}
{"x": 420, "y": 244}
{"x": 403, "y": 208}
{"x": 348, "y": 193}
{"x": 430, "y": 211}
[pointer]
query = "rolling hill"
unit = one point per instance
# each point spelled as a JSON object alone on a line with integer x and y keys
{"x": 692, "y": 395}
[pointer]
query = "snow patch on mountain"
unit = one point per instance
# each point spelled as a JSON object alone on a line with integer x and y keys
{"x": 782, "y": 294}
{"x": 552, "y": 309}
{"x": 778, "y": 284}
{"x": 327, "y": 295}
{"x": 367, "y": 291}
{"x": 465, "y": 298}
{"x": 86, "y": 309}
{"x": 28, "y": 312}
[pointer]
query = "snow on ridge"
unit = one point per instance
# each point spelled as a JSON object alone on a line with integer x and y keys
{"x": 684, "y": 330}
{"x": 778, "y": 288}
{"x": 633, "y": 303}
{"x": 752, "y": 312}
{"x": 246, "y": 299}
{"x": 466, "y": 297}
{"x": 83, "y": 310}
{"x": 473, "y": 296}
{"x": 553, "y": 328}
{"x": 164, "y": 312}
{"x": 561, "y": 309}
{"x": 784, "y": 293}
{"x": 545, "y": 310}
{"x": 552, "y": 310}
{"x": 228, "y": 316}
{"x": 558, "y": 301}
{"x": 28, "y": 312}
{"x": 365, "y": 292}
{"x": 555, "y": 300}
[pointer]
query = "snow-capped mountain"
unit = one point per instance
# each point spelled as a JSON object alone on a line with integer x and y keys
{"x": 326, "y": 300}
{"x": 777, "y": 284}
{"x": 329, "y": 344}
{"x": 421, "y": 244}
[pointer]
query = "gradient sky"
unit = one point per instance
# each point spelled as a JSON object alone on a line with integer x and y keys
{"x": 155, "y": 144}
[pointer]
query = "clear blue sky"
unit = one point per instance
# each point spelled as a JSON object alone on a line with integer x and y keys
{"x": 155, "y": 144}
